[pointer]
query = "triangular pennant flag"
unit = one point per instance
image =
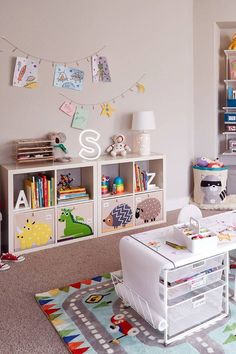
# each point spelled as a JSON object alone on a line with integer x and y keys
{"x": 44, "y": 301}
{"x": 54, "y": 292}
{"x": 231, "y": 327}
{"x": 107, "y": 110}
{"x": 65, "y": 332}
{"x": 39, "y": 297}
{"x": 54, "y": 316}
{"x": 65, "y": 289}
{"x": 48, "y": 306}
{"x": 75, "y": 345}
{"x": 68, "y": 339}
{"x": 230, "y": 339}
{"x": 86, "y": 282}
{"x": 57, "y": 322}
{"x": 98, "y": 279}
{"x": 140, "y": 87}
{"x": 50, "y": 311}
{"x": 80, "y": 351}
{"x": 76, "y": 285}
{"x": 107, "y": 275}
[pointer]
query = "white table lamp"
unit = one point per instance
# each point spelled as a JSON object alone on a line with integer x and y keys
{"x": 143, "y": 121}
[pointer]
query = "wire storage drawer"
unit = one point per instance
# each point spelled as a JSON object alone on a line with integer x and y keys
{"x": 182, "y": 274}
{"x": 193, "y": 284}
{"x": 195, "y": 311}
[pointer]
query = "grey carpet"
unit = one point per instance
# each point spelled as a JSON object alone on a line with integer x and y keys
{"x": 23, "y": 326}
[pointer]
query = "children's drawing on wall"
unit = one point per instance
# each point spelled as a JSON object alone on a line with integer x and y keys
{"x": 26, "y": 72}
{"x": 68, "y": 108}
{"x": 71, "y": 78}
{"x": 100, "y": 69}
{"x": 80, "y": 119}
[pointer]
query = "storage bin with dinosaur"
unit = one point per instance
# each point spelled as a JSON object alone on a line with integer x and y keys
{"x": 33, "y": 229}
{"x": 75, "y": 221}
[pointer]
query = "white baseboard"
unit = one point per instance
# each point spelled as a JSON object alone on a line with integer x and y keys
{"x": 173, "y": 204}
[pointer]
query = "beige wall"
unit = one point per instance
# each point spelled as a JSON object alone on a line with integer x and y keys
{"x": 153, "y": 37}
{"x": 214, "y": 23}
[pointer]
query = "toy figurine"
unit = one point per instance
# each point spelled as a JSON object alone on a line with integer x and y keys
{"x": 119, "y": 147}
{"x": 59, "y": 148}
{"x": 65, "y": 181}
{"x": 232, "y": 45}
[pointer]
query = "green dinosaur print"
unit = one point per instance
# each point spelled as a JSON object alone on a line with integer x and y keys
{"x": 73, "y": 227}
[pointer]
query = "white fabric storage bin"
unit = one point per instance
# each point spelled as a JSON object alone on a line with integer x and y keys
{"x": 209, "y": 184}
{"x": 195, "y": 311}
{"x": 193, "y": 269}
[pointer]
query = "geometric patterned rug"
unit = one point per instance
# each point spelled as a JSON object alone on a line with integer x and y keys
{"x": 90, "y": 318}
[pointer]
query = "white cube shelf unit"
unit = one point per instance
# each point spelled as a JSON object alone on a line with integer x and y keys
{"x": 139, "y": 204}
{"x": 51, "y": 220}
{"x": 56, "y": 220}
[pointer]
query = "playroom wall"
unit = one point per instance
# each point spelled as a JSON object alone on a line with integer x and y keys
{"x": 154, "y": 37}
{"x": 214, "y": 24}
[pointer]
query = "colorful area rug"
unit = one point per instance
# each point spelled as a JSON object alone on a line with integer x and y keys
{"x": 86, "y": 316}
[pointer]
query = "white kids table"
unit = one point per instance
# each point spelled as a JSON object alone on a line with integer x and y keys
{"x": 163, "y": 284}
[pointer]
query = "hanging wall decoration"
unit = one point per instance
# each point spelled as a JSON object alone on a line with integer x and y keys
{"x": 68, "y": 108}
{"x": 80, "y": 119}
{"x": 52, "y": 62}
{"x": 66, "y": 77}
{"x": 106, "y": 106}
{"x": 107, "y": 110}
{"x": 26, "y": 73}
{"x": 140, "y": 87}
{"x": 100, "y": 69}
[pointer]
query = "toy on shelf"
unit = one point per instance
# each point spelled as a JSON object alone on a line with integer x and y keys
{"x": 105, "y": 184}
{"x": 232, "y": 45}
{"x": 34, "y": 150}
{"x": 119, "y": 185}
{"x": 119, "y": 147}
{"x": 65, "y": 181}
{"x": 60, "y": 150}
{"x": 206, "y": 162}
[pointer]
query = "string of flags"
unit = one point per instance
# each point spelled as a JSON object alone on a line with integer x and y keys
{"x": 80, "y": 111}
{"x": 67, "y": 75}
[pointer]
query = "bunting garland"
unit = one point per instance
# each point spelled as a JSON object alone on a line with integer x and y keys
{"x": 137, "y": 85}
{"x": 52, "y": 62}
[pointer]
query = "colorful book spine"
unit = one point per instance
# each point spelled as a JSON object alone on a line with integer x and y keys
{"x": 45, "y": 190}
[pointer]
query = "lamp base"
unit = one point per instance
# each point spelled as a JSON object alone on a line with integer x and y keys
{"x": 142, "y": 144}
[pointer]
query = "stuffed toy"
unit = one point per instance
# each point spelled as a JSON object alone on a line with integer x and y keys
{"x": 119, "y": 147}
{"x": 205, "y": 162}
{"x": 59, "y": 148}
{"x": 232, "y": 45}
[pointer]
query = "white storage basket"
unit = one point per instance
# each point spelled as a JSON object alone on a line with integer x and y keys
{"x": 195, "y": 311}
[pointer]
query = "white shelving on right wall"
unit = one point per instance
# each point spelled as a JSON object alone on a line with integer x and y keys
{"x": 230, "y": 99}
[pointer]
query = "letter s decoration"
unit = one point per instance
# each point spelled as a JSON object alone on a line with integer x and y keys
{"x": 91, "y": 150}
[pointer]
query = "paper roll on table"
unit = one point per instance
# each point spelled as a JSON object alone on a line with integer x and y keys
{"x": 141, "y": 307}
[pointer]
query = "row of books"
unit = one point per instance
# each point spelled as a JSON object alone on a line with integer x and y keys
{"x": 140, "y": 179}
{"x": 40, "y": 191}
{"x": 72, "y": 194}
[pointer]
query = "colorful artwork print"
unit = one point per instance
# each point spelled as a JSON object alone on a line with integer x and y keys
{"x": 68, "y": 108}
{"x": 100, "y": 69}
{"x": 121, "y": 215}
{"x": 26, "y": 73}
{"x": 148, "y": 210}
{"x": 71, "y": 78}
{"x": 34, "y": 234}
{"x": 80, "y": 119}
{"x": 74, "y": 225}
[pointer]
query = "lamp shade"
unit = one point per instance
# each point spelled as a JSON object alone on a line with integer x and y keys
{"x": 144, "y": 120}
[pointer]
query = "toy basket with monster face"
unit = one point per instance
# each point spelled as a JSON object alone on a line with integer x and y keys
{"x": 209, "y": 185}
